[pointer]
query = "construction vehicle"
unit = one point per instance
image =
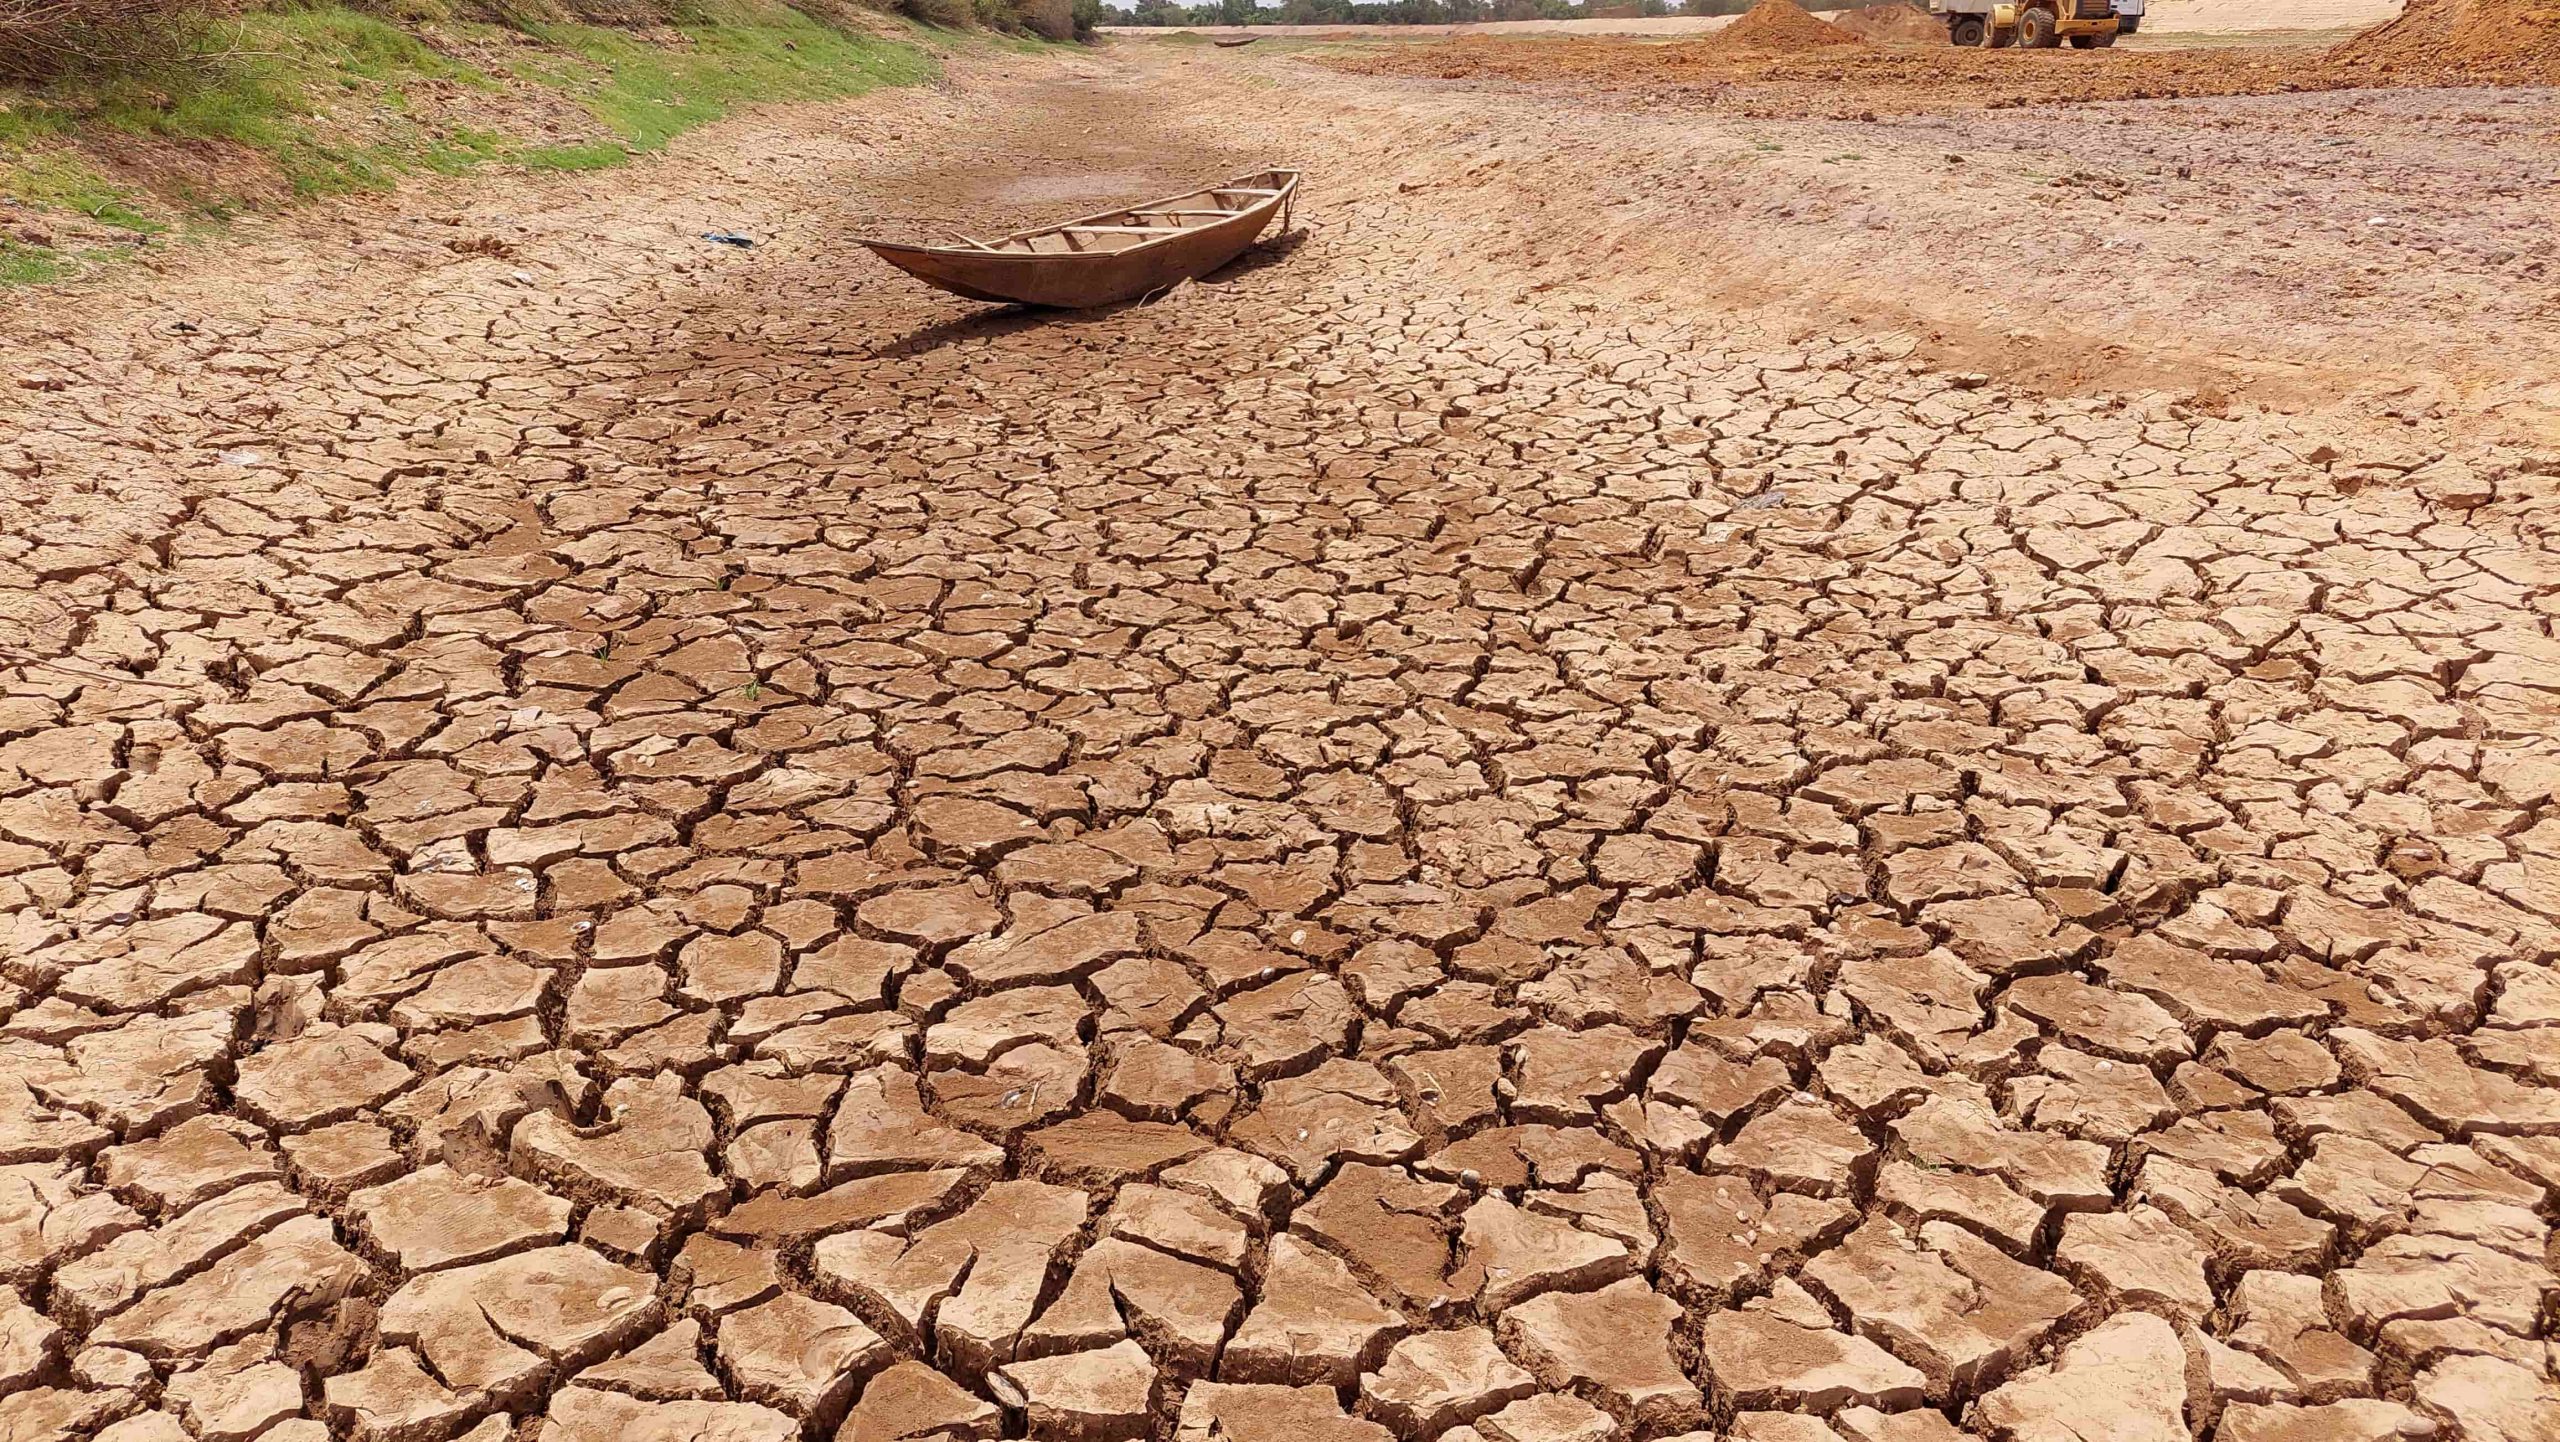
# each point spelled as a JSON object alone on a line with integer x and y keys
{"x": 2037, "y": 24}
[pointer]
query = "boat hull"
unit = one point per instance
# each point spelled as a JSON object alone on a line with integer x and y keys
{"x": 1081, "y": 280}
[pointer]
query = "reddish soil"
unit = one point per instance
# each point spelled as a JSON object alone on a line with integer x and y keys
{"x": 187, "y": 171}
{"x": 1860, "y": 79}
{"x": 1895, "y": 23}
{"x": 1435, "y": 838}
{"x": 1777, "y": 27}
{"x": 2509, "y": 43}
{"x": 1780, "y": 61}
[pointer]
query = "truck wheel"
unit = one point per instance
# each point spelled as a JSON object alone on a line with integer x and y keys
{"x": 1965, "y": 31}
{"x": 2083, "y": 42}
{"x": 1998, "y": 39}
{"x": 2103, "y": 42}
{"x": 2035, "y": 30}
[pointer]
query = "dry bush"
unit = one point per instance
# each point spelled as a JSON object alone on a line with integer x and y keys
{"x": 643, "y": 14}
{"x": 623, "y": 14}
{"x": 1048, "y": 19}
{"x": 950, "y": 14}
{"x": 43, "y": 38}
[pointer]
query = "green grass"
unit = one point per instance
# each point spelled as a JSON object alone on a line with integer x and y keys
{"x": 650, "y": 94}
{"x": 464, "y": 149}
{"x": 1018, "y": 44}
{"x": 58, "y": 181}
{"x": 332, "y": 98}
{"x": 262, "y": 84}
{"x": 28, "y": 265}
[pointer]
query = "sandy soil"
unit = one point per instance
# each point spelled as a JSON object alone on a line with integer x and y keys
{"x": 2380, "y": 247}
{"x": 1484, "y": 827}
{"x": 2231, "y": 17}
{"x": 1657, "y": 25}
{"x": 2174, "y": 17}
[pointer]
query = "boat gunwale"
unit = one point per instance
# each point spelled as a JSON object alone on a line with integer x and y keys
{"x": 985, "y": 248}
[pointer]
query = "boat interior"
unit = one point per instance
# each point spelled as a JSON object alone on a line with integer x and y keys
{"x": 1138, "y": 225}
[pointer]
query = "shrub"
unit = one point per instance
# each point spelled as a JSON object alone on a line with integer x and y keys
{"x": 1049, "y": 19}
{"x": 43, "y": 38}
{"x": 950, "y": 14}
{"x": 619, "y": 14}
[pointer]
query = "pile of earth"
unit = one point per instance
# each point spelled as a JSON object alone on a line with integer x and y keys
{"x": 1778, "y": 27}
{"x": 1892, "y": 23}
{"x": 1854, "y": 79}
{"x": 2515, "y": 42}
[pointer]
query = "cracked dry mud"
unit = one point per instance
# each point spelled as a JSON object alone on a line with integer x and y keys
{"x": 627, "y": 844}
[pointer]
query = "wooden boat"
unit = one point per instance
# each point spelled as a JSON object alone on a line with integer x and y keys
{"x": 1103, "y": 259}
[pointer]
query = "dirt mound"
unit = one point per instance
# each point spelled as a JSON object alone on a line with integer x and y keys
{"x": 1778, "y": 27}
{"x": 2515, "y": 41}
{"x": 1894, "y": 23}
{"x": 1852, "y": 78}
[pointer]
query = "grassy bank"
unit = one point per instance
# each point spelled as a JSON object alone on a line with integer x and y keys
{"x": 293, "y": 102}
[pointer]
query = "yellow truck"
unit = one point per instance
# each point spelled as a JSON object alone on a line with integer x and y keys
{"x": 2038, "y": 24}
